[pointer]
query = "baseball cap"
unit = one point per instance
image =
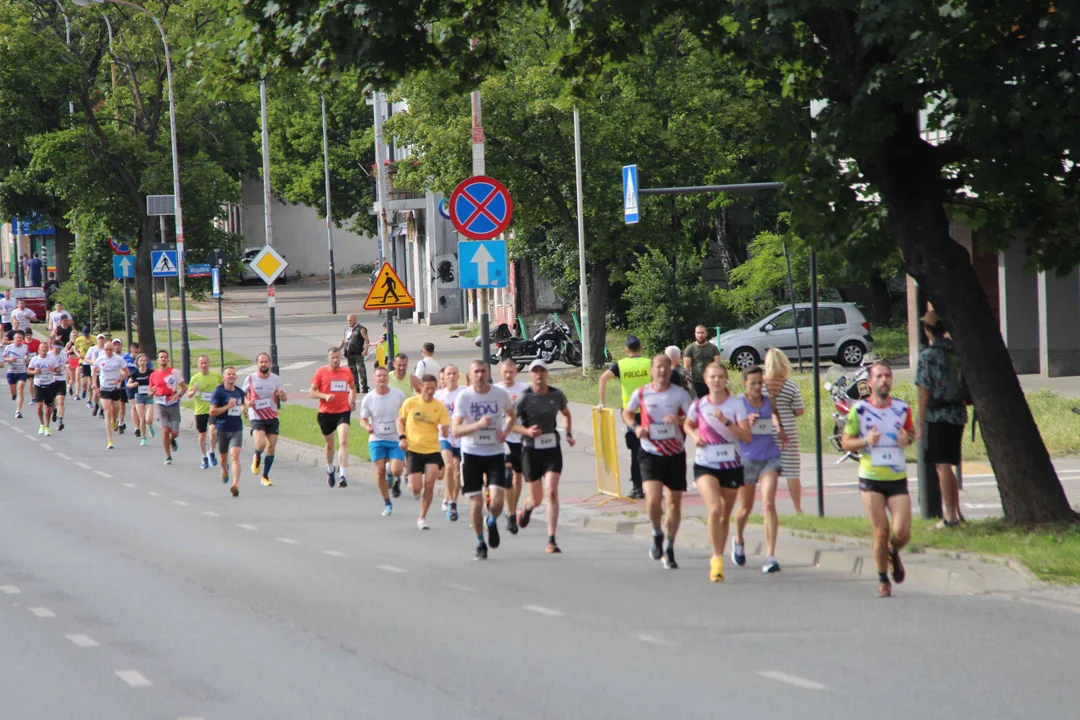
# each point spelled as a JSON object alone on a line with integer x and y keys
{"x": 117, "y": 341}
{"x": 86, "y": 330}
{"x": 633, "y": 342}
{"x": 101, "y": 336}
{"x": 538, "y": 365}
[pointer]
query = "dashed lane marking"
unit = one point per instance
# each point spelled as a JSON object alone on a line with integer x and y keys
{"x": 134, "y": 678}
{"x": 288, "y": 541}
{"x": 334, "y": 553}
{"x": 653, "y": 640}
{"x": 103, "y": 474}
{"x": 210, "y": 513}
{"x": 62, "y": 456}
{"x": 128, "y": 484}
{"x": 43, "y": 612}
{"x": 791, "y": 680}
{"x": 180, "y": 503}
{"x": 462, "y": 588}
{"x": 391, "y": 568}
{"x": 541, "y": 610}
{"x": 10, "y": 590}
{"x": 153, "y": 494}
{"x": 47, "y": 446}
{"x": 83, "y": 641}
{"x": 18, "y": 430}
{"x": 245, "y": 526}
{"x": 83, "y": 465}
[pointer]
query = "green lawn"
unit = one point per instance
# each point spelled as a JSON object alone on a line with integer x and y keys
{"x": 1052, "y": 553}
{"x": 162, "y": 336}
{"x": 216, "y": 361}
{"x": 891, "y": 342}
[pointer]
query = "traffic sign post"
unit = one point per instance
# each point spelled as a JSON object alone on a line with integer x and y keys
{"x": 215, "y": 283}
{"x": 630, "y": 194}
{"x": 124, "y": 269}
{"x": 483, "y": 264}
{"x": 198, "y": 270}
{"x": 163, "y": 263}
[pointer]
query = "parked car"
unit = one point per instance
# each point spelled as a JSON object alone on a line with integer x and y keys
{"x": 35, "y": 300}
{"x": 248, "y": 275}
{"x": 843, "y": 335}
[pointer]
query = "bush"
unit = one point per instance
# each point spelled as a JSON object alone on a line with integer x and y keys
{"x": 77, "y": 302}
{"x": 362, "y": 269}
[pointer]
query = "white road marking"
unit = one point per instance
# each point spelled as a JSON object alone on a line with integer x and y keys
{"x": 391, "y": 568}
{"x": 541, "y": 610}
{"x": 334, "y": 553}
{"x": 245, "y": 526}
{"x": 18, "y": 430}
{"x": 153, "y": 494}
{"x": 83, "y": 641}
{"x": 134, "y": 678}
{"x": 83, "y": 465}
{"x": 47, "y": 446}
{"x": 43, "y": 612}
{"x": 5, "y": 422}
{"x": 31, "y": 438}
{"x": 653, "y": 640}
{"x": 9, "y": 590}
{"x": 103, "y": 474}
{"x": 180, "y": 502}
{"x": 210, "y": 513}
{"x": 128, "y": 484}
{"x": 462, "y": 588}
{"x": 62, "y": 456}
{"x": 299, "y": 365}
{"x": 288, "y": 541}
{"x": 791, "y": 680}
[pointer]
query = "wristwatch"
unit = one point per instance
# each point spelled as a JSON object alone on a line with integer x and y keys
{"x": 400, "y": 437}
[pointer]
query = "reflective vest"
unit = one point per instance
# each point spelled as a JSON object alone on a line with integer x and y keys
{"x": 633, "y": 373}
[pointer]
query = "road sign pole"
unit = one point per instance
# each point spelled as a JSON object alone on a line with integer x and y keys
{"x": 268, "y": 221}
{"x": 478, "y": 168}
{"x": 329, "y": 224}
{"x": 168, "y": 319}
{"x": 816, "y": 353}
{"x": 127, "y": 310}
{"x": 583, "y": 287}
{"x": 215, "y": 275}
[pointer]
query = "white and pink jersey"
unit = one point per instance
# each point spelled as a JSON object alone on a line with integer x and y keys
{"x": 261, "y": 395}
{"x": 655, "y": 405}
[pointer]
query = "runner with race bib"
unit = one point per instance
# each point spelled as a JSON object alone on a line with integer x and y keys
{"x": 265, "y": 394}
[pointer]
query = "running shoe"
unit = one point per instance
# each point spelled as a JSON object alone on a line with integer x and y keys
{"x": 235, "y": 490}
{"x": 95, "y": 412}
{"x": 110, "y": 446}
{"x": 255, "y": 463}
{"x": 89, "y": 405}
{"x": 395, "y": 487}
{"x": 330, "y": 477}
{"x": 204, "y": 464}
{"x": 225, "y": 477}
{"x": 493, "y": 532}
{"x": 716, "y": 569}
{"x": 18, "y": 415}
{"x": 174, "y": 445}
{"x": 120, "y": 428}
{"x": 481, "y": 552}
{"x": 738, "y": 553}
{"x": 669, "y": 560}
{"x": 47, "y": 433}
{"x": 40, "y": 429}
{"x": 657, "y": 549}
{"x": 770, "y": 566}
{"x": 445, "y": 505}
{"x": 341, "y": 482}
{"x": 422, "y": 524}
{"x": 552, "y": 548}
{"x": 54, "y": 415}
{"x": 388, "y": 509}
{"x": 138, "y": 433}
{"x": 152, "y": 433}
{"x": 142, "y": 442}
{"x": 168, "y": 460}
{"x": 60, "y": 426}
{"x": 523, "y": 517}
{"x": 511, "y": 524}
{"x": 898, "y": 573}
{"x": 884, "y": 590}
{"x": 213, "y": 459}
{"x": 453, "y": 512}
{"x": 266, "y": 482}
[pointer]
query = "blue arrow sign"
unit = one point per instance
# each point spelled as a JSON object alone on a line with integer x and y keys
{"x": 163, "y": 263}
{"x": 216, "y": 282}
{"x": 630, "y": 193}
{"x": 123, "y": 267}
{"x": 483, "y": 264}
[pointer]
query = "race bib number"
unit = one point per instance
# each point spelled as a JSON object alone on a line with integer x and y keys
{"x": 263, "y": 403}
{"x": 235, "y": 411}
{"x": 207, "y": 397}
{"x": 486, "y": 437}
{"x": 161, "y": 399}
{"x": 44, "y": 378}
{"x": 887, "y": 457}
{"x": 339, "y": 386}
{"x": 546, "y": 441}
{"x": 109, "y": 385}
{"x": 763, "y": 426}
{"x": 661, "y": 432}
{"x": 714, "y": 454}
{"x": 385, "y": 427}
{"x": 144, "y": 389}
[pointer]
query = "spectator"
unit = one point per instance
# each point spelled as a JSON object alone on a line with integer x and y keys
{"x": 787, "y": 399}
{"x": 51, "y": 286}
{"x": 34, "y": 268}
{"x": 427, "y": 364}
{"x": 355, "y": 345}
{"x": 697, "y": 357}
{"x": 679, "y": 376}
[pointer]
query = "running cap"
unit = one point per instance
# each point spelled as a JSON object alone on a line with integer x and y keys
{"x": 101, "y": 336}
{"x": 538, "y": 365}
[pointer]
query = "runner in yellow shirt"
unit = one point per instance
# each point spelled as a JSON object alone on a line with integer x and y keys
{"x": 418, "y": 433}
{"x": 203, "y": 384}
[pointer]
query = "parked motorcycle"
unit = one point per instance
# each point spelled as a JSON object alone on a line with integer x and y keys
{"x": 845, "y": 393}
{"x": 551, "y": 342}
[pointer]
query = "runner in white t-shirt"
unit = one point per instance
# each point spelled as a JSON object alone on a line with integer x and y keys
{"x": 111, "y": 372}
{"x": 264, "y": 393}
{"x": 90, "y": 359}
{"x": 378, "y": 415}
{"x": 15, "y": 356}
{"x": 44, "y": 367}
{"x": 448, "y": 444}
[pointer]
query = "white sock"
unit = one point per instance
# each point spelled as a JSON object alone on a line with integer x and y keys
{"x": 342, "y": 472}
{"x": 330, "y": 469}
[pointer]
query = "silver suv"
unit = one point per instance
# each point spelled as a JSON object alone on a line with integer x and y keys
{"x": 843, "y": 334}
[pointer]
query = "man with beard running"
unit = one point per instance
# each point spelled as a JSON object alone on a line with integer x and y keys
{"x": 265, "y": 394}
{"x": 333, "y": 386}
{"x": 227, "y": 404}
{"x": 167, "y": 386}
{"x": 515, "y": 480}
{"x": 379, "y": 415}
{"x": 44, "y": 368}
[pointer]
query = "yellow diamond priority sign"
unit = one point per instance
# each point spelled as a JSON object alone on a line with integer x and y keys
{"x": 269, "y": 264}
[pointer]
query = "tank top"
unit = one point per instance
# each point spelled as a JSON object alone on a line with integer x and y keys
{"x": 404, "y": 384}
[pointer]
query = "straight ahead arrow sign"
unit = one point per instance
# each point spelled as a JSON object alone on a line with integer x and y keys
{"x": 482, "y": 258}
{"x": 126, "y": 264}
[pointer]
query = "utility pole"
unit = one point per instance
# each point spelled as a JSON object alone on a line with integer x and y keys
{"x": 384, "y": 235}
{"x": 271, "y": 300}
{"x": 583, "y": 287}
{"x": 329, "y": 224}
{"x": 479, "y": 168}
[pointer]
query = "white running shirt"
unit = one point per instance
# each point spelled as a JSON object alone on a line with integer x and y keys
{"x": 655, "y": 406}
{"x": 16, "y": 356}
{"x": 110, "y": 370}
{"x": 261, "y": 394}
{"x": 514, "y": 391}
{"x": 382, "y": 412}
{"x": 449, "y": 398}
{"x": 48, "y": 367}
{"x": 472, "y": 406}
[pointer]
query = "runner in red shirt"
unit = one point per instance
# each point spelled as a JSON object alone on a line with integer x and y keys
{"x": 167, "y": 386}
{"x": 334, "y": 388}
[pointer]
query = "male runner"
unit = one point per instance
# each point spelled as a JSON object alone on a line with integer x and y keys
{"x": 333, "y": 386}
{"x": 16, "y": 355}
{"x": 60, "y": 385}
{"x": 663, "y": 461}
{"x": 227, "y": 404}
{"x": 418, "y": 433}
{"x": 82, "y": 345}
{"x": 427, "y": 364}
{"x": 537, "y": 410}
{"x": 92, "y": 356}
{"x": 110, "y": 372}
{"x": 448, "y": 444}
{"x": 6, "y": 306}
{"x": 121, "y": 415}
{"x": 58, "y": 314}
{"x": 379, "y": 412}
{"x": 264, "y": 393}
{"x": 881, "y": 427}
{"x": 401, "y": 379}
{"x": 21, "y": 317}
{"x": 202, "y": 387}
{"x": 481, "y": 416}
{"x": 167, "y": 386}
{"x": 511, "y": 386}
{"x": 63, "y": 328}
{"x": 43, "y": 368}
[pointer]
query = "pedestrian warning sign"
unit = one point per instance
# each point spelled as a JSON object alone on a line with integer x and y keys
{"x": 388, "y": 292}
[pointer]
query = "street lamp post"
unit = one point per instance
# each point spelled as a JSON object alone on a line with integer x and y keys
{"x": 178, "y": 214}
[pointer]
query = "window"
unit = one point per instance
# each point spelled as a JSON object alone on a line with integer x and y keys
{"x": 831, "y": 316}
{"x": 782, "y": 321}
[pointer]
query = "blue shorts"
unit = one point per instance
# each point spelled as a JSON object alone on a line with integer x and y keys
{"x": 13, "y": 378}
{"x": 446, "y": 445}
{"x": 385, "y": 450}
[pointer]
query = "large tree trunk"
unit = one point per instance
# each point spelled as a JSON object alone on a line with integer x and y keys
{"x": 880, "y": 300}
{"x": 65, "y": 241}
{"x": 599, "y": 287}
{"x": 144, "y": 286}
{"x": 910, "y": 183}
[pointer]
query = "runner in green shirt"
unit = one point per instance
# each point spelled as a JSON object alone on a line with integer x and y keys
{"x": 203, "y": 384}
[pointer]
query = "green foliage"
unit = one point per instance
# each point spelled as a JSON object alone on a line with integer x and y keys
{"x": 108, "y": 300}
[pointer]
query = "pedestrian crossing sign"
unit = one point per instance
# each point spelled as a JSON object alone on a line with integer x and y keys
{"x": 163, "y": 263}
{"x": 388, "y": 292}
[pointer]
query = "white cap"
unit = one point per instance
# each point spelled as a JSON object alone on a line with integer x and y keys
{"x": 101, "y": 336}
{"x": 537, "y": 365}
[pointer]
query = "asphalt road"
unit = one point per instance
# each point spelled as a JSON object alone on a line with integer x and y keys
{"x": 133, "y": 590}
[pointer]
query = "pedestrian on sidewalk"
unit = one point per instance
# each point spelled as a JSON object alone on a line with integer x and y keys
{"x": 355, "y": 345}
{"x": 633, "y": 373}
{"x": 697, "y": 356}
{"x": 679, "y": 375}
{"x": 942, "y": 413}
{"x": 427, "y": 364}
{"x": 787, "y": 399}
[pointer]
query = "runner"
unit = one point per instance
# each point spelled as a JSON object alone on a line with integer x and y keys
{"x": 134, "y": 350}
{"x": 537, "y": 410}
{"x": 121, "y": 415}
{"x": 22, "y": 317}
{"x": 508, "y": 372}
{"x": 139, "y": 383}
{"x": 110, "y": 372}
{"x": 264, "y": 396}
{"x": 482, "y": 414}
{"x": 449, "y": 445}
{"x": 400, "y": 378}
{"x": 43, "y": 368}
{"x": 418, "y": 433}
{"x": 63, "y": 328}
{"x": 227, "y": 404}
{"x": 60, "y": 385}
{"x": 333, "y": 386}
{"x": 761, "y": 462}
{"x": 16, "y": 355}
{"x": 202, "y": 387}
{"x": 379, "y": 415}
{"x": 167, "y": 386}
{"x": 82, "y": 345}
{"x": 427, "y": 364}
{"x": 712, "y": 430}
{"x": 663, "y": 460}
{"x": 881, "y": 427}
{"x": 58, "y": 314}
{"x": 92, "y": 356}
{"x": 6, "y": 306}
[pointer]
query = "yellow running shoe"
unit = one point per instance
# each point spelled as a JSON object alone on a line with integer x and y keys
{"x": 716, "y": 569}
{"x": 110, "y": 445}
{"x": 266, "y": 481}
{"x": 255, "y": 466}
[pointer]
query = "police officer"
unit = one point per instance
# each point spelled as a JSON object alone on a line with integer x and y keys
{"x": 632, "y": 372}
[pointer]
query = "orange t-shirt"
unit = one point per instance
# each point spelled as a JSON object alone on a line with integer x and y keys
{"x": 337, "y": 382}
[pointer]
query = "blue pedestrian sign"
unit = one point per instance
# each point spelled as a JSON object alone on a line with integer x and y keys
{"x": 216, "y": 282}
{"x": 123, "y": 267}
{"x": 630, "y": 193}
{"x": 163, "y": 263}
{"x": 483, "y": 264}
{"x": 481, "y": 208}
